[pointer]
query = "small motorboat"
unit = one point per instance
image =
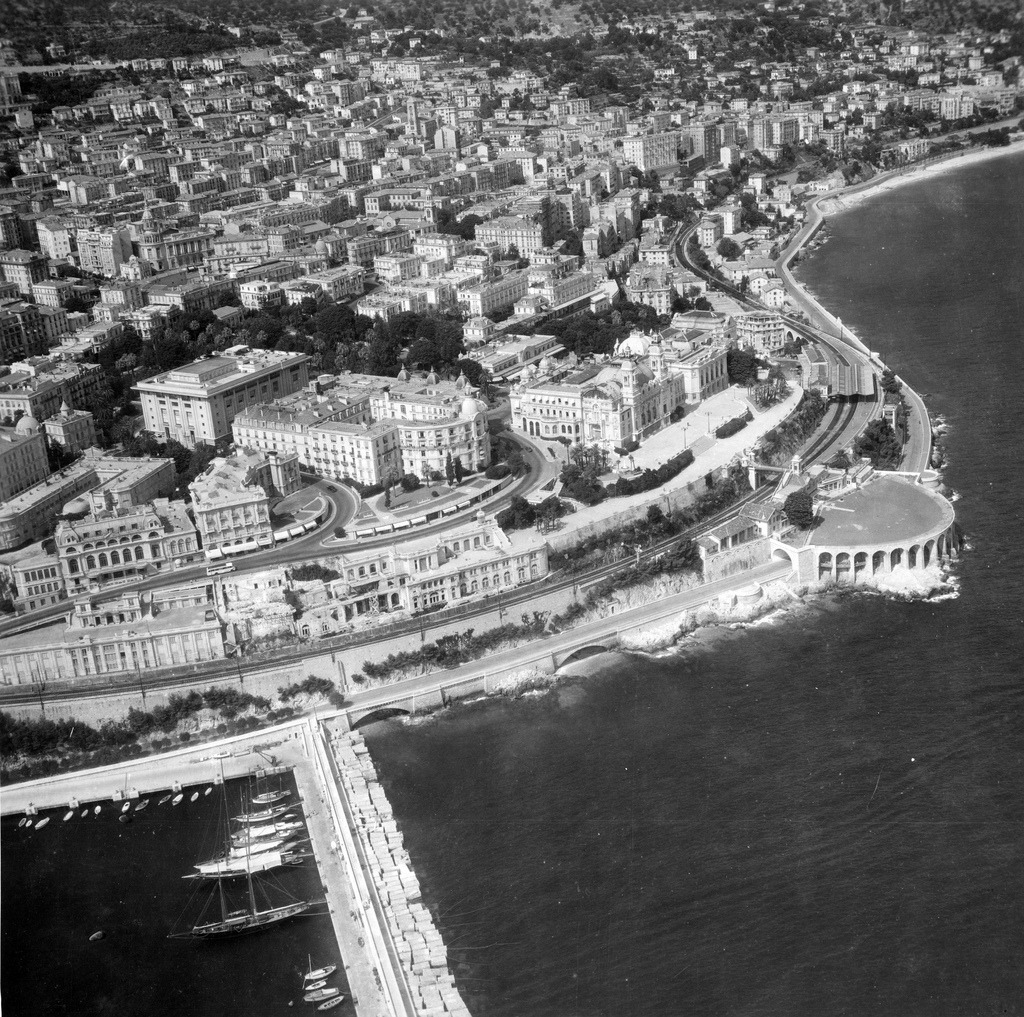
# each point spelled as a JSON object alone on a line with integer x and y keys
{"x": 124, "y": 818}
{"x": 331, "y": 1003}
{"x": 85, "y": 812}
{"x": 97, "y": 810}
{"x": 164, "y": 800}
{"x": 142, "y": 805}
{"x": 208, "y": 790}
{"x": 195, "y": 795}
{"x": 28, "y": 824}
{"x": 126, "y": 806}
{"x": 177, "y": 799}
{"x": 315, "y": 985}
{"x": 22, "y": 821}
{"x": 42, "y": 822}
{"x": 97, "y": 936}
{"x": 319, "y": 995}
{"x": 69, "y": 814}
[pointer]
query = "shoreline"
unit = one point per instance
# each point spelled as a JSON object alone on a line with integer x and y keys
{"x": 912, "y": 174}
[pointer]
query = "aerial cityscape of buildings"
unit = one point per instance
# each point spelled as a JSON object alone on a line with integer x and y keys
{"x": 226, "y": 276}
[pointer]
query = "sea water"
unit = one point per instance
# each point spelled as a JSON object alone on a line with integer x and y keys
{"x": 821, "y": 816}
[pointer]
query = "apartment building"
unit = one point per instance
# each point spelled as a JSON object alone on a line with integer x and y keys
{"x": 508, "y": 232}
{"x": 232, "y": 498}
{"x": 652, "y": 151}
{"x": 23, "y": 460}
{"x": 761, "y": 332}
{"x": 103, "y": 250}
{"x": 38, "y": 386}
{"x": 23, "y": 268}
{"x": 25, "y": 331}
{"x": 490, "y": 297}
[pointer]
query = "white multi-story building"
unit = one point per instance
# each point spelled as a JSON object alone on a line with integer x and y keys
{"x": 525, "y": 235}
{"x": 231, "y": 499}
{"x": 461, "y": 564}
{"x": 196, "y": 404}
{"x": 652, "y": 151}
{"x": 104, "y": 250}
{"x": 371, "y": 429}
{"x": 760, "y": 331}
{"x": 23, "y": 460}
{"x": 343, "y": 281}
{"x": 258, "y": 294}
{"x": 490, "y": 297}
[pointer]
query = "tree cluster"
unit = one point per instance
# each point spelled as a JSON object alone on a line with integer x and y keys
{"x": 879, "y": 444}
{"x": 521, "y": 515}
{"x": 779, "y": 444}
{"x": 799, "y": 509}
{"x": 454, "y": 649}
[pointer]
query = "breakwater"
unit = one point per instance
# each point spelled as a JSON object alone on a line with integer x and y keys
{"x": 408, "y": 925}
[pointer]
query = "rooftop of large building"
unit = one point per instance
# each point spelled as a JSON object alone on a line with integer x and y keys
{"x": 227, "y": 368}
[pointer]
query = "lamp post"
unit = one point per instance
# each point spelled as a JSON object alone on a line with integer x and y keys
{"x": 636, "y": 553}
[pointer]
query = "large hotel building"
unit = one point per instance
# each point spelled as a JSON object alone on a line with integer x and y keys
{"x": 197, "y": 403}
{"x": 369, "y": 429}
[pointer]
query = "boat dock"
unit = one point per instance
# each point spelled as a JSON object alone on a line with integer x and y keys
{"x": 395, "y": 961}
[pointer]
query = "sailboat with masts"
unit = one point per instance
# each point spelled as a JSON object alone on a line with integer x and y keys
{"x": 268, "y": 796}
{"x": 254, "y": 915}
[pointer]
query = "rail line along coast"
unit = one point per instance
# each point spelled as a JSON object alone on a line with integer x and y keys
{"x": 351, "y": 371}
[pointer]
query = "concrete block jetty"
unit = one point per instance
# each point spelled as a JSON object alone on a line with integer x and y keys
{"x": 421, "y": 952}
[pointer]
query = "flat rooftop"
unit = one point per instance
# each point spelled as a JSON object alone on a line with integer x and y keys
{"x": 886, "y": 511}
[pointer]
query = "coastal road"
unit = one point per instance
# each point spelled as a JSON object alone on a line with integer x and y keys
{"x": 597, "y": 632}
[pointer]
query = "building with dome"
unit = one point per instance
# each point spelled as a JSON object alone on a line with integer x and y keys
{"x": 367, "y": 428}
{"x": 644, "y": 387}
{"x": 107, "y": 481}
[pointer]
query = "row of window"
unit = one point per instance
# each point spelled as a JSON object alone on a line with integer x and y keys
{"x": 102, "y": 561}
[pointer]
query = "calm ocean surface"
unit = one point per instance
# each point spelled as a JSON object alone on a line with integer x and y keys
{"x": 819, "y": 816}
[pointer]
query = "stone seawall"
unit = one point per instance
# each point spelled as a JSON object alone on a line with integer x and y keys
{"x": 418, "y": 944}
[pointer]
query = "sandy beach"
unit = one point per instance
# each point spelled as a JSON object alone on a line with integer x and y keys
{"x": 830, "y": 205}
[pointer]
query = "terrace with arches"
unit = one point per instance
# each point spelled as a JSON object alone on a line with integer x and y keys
{"x": 891, "y": 523}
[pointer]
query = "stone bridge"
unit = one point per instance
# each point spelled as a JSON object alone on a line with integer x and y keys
{"x": 439, "y": 690}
